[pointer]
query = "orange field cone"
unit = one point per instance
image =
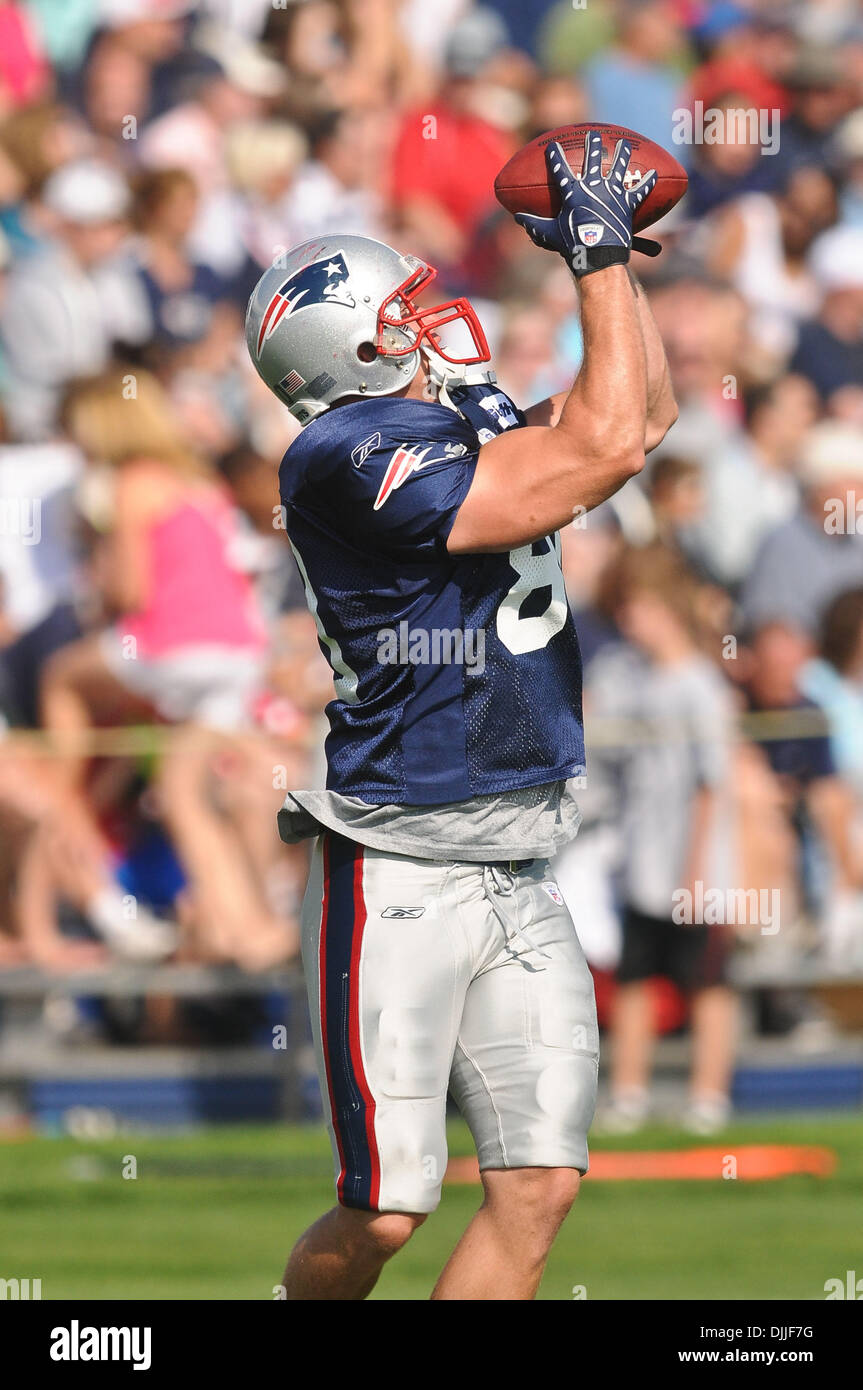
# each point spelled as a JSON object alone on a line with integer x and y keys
{"x": 749, "y": 1162}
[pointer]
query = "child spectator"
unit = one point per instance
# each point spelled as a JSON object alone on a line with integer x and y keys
{"x": 671, "y": 771}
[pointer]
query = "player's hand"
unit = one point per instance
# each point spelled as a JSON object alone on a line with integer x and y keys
{"x": 594, "y": 226}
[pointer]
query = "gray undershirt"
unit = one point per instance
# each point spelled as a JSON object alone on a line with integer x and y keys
{"x": 528, "y": 823}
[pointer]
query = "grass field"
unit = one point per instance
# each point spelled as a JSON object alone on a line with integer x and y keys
{"x": 211, "y": 1215}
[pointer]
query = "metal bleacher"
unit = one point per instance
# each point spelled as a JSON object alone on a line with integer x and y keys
{"x": 57, "y": 1079}
{"x": 87, "y": 1086}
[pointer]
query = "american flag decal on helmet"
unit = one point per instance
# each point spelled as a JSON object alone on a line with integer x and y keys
{"x": 292, "y": 382}
{"x": 321, "y": 282}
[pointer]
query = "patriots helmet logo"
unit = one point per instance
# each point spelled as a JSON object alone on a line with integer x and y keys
{"x": 321, "y": 282}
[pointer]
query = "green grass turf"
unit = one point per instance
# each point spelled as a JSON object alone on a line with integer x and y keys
{"x": 212, "y": 1214}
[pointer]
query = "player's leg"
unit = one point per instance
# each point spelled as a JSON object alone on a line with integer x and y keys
{"x": 524, "y": 1076}
{"x": 502, "y": 1253}
{"x": 386, "y": 969}
{"x": 341, "y": 1256}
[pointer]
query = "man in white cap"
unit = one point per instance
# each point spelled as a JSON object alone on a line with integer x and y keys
{"x": 67, "y": 304}
{"x": 805, "y": 563}
{"x": 830, "y": 348}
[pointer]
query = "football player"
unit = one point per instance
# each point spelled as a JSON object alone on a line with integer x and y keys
{"x": 423, "y": 508}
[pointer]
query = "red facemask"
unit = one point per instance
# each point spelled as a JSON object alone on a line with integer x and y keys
{"x": 400, "y": 310}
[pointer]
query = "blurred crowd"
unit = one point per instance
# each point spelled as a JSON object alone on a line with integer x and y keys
{"x": 161, "y": 684}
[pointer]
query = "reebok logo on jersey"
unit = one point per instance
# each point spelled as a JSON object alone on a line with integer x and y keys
{"x": 403, "y": 912}
{"x": 403, "y": 463}
{"x": 360, "y": 453}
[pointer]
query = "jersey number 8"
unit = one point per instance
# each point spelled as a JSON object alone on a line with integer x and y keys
{"x": 530, "y": 632}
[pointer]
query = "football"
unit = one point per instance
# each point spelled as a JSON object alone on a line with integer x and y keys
{"x": 523, "y": 184}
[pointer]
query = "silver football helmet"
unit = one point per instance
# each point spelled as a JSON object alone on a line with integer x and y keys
{"x": 338, "y": 317}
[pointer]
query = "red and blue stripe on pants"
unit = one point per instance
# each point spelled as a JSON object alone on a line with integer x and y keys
{"x": 352, "y": 1106}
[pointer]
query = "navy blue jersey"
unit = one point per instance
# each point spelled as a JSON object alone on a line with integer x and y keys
{"x": 455, "y": 675}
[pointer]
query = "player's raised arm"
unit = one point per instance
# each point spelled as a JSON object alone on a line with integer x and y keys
{"x": 661, "y": 406}
{"x": 530, "y": 482}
